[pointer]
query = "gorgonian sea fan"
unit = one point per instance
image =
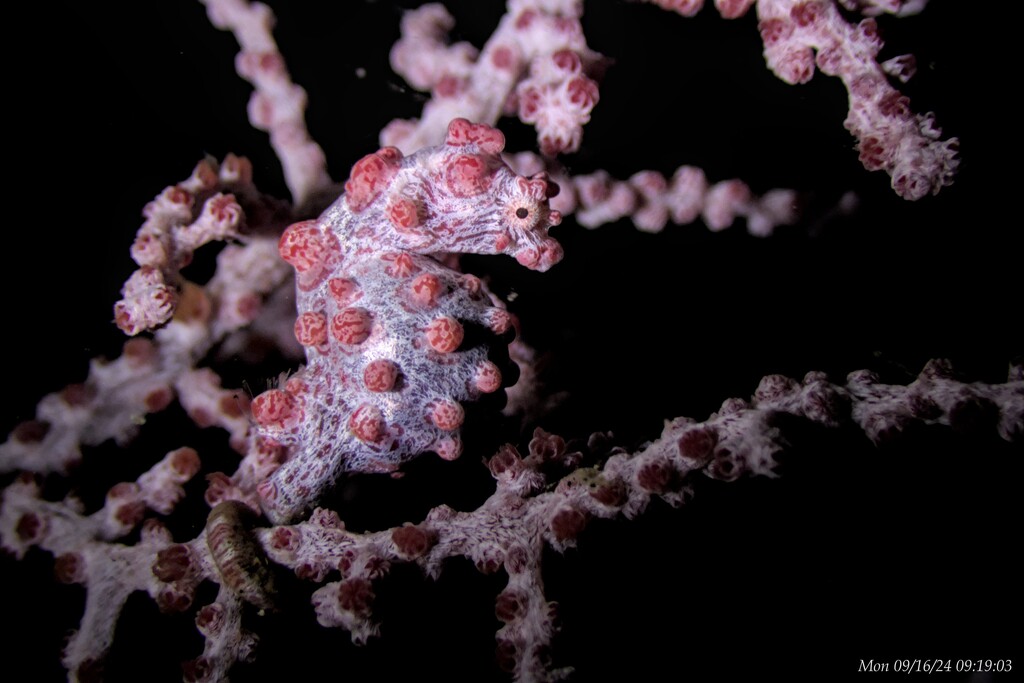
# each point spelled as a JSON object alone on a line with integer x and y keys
{"x": 864, "y": 550}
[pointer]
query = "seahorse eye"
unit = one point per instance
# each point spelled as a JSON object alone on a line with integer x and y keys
{"x": 522, "y": 213}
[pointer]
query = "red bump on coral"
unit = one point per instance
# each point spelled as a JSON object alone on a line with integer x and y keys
{"x": 412, "y": 541}
{"x": 276, "y": 408}
{"x": 444, "y": 334}
{"x": 467, "y": 175}
{"x": 462, "y": 132}
{"x": 380, "y": 375}
{"x": 351, "y": 326}
{"x": 311, "y": 329}
{"x": 487, "y": 378}
{"x": 367, "y": 423}
{"x": 447, "y": 415}
{"x": 370, "y": 176}
{"x": 425, "y": 289}
{"x": 343, "y": 290}
{"x": 403, "y": 214}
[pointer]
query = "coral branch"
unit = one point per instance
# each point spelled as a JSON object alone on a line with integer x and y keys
{"x": 531, "y": 509}
{"x": 890, "y": 137}
{"x": 799, "y": 34}
{"x": 650, "y": 201}
{"x": 542, "y": 37}
{"x": 277, "y": 105}
{"x": 87, "y": 551}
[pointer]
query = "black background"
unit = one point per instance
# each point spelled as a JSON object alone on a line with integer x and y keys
{"x": 857, "y": 553}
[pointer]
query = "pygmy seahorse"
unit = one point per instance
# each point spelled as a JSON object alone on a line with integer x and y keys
{"x": 383, "y": 320}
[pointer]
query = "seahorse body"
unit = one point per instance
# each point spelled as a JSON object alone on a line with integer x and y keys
{"x": 384, "y": 322}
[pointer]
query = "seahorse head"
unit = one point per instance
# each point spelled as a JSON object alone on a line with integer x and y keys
{"x": 459, "y": 197}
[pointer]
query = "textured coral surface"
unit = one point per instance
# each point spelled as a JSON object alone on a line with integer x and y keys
{"x": 898, "y": 552}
